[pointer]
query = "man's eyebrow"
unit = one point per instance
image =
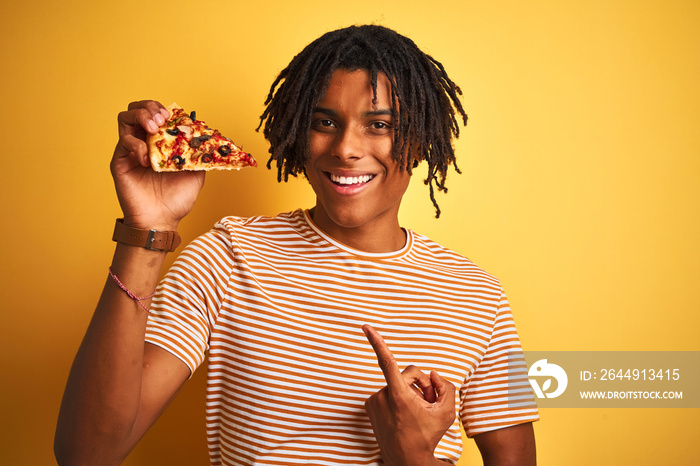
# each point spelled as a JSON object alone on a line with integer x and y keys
{"x": 371, "y": 113}
{"x": 380, "y": 112}
{"x": 326, "y": 111}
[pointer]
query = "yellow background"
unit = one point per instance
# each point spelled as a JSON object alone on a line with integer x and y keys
{"x": 580, "y": 189}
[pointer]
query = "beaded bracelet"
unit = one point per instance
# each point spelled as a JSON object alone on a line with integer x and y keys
{"x": 131, "y": 295}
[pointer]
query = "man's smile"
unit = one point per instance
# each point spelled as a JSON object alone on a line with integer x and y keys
{"x": 349, "y": 180}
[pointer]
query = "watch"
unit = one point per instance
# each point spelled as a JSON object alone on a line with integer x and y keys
{"x": 154, "y": 240}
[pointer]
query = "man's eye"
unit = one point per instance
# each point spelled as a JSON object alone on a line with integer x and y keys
{"x": 380, "y": 126}
{"x": 323, "y": 125}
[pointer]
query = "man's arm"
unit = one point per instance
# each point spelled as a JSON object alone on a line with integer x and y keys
{"x": 118, "y": 384}
{"x": 511, "y": 446}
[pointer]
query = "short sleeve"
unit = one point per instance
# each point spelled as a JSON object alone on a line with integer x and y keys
{"x": 498, "y": 393}
{"x": 188, "y": 298}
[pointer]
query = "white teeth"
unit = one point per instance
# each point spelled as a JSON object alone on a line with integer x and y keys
{"x": 350, "y": 179}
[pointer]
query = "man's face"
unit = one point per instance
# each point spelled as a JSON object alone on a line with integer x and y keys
{"x": 357, "y": 182}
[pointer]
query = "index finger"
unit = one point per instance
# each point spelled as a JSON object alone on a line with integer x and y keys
{"x": 146, "y": 114}
{"x": 387, "y": 362}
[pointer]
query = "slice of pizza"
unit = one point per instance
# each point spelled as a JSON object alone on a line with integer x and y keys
{"x": 186, "y": 143}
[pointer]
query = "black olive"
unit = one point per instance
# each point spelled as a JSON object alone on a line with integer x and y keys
{"x": 193, "y": 116}
{"x": 207, "y": 158}
{"x": 172, "y": 131}
{"x": 224, "y": 150}
{"x": 179, "y": 160}
{"x": 196, "y": 142}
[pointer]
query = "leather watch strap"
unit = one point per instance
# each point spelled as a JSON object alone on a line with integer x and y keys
{"x": 150, "y": 239}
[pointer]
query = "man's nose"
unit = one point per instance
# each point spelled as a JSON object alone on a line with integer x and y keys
{"x": 348, "y": 144}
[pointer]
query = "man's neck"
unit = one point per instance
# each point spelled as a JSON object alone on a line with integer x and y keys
{"x": 372, "y": 238}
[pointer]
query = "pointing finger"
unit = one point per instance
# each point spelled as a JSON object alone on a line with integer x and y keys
{"x": 386, "y": 360}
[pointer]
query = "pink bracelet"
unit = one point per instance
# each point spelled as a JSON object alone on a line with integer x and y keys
{"x": 131, "y": 295}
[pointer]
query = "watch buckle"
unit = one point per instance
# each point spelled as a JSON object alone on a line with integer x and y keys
{"x": 150, "y": 239}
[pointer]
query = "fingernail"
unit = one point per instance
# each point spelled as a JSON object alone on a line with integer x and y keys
{"x": 159, "y": 119}
{"x": 151, "y": 126}
{"x": 165, "y": 113}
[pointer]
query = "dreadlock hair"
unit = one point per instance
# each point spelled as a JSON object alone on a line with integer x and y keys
{"x": 424, "y": 100}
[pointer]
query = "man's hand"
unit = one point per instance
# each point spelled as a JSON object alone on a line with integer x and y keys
{"x": 149, "y": 199}
{"x": 411, "y": 414}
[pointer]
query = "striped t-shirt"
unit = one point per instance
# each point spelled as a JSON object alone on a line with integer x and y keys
{"x": 278, "y": 305}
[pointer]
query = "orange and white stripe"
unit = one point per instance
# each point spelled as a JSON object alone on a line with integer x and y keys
{"x": 278, "y": 305}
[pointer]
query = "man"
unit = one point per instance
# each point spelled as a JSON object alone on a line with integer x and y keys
{"x": 280, "y": 303}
